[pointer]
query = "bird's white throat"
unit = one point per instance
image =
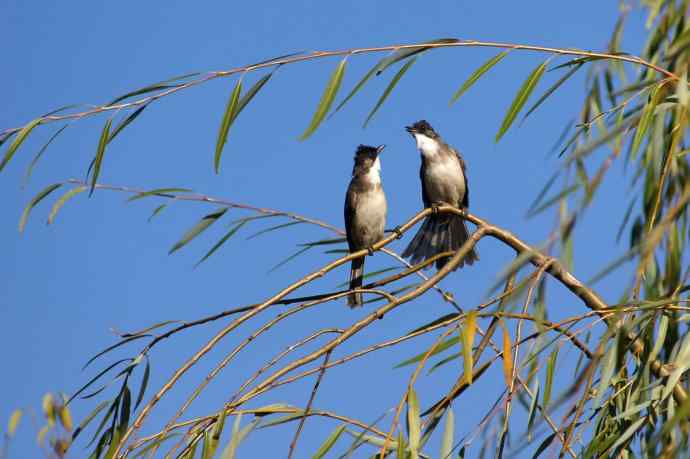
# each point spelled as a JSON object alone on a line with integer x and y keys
{"x": 374, "y": 173}
{"x": 426, "y": 145}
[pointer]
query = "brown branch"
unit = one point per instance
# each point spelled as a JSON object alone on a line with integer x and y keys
{"x": 349, "y": 52}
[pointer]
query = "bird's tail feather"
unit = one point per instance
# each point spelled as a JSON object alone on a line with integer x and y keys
{"x": 356, "y": 274}
{"x": 439, "y": 233}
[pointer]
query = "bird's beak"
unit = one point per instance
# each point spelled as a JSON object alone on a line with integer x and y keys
{"x": 380, "y": 148}
{"x": 411, "y": 130}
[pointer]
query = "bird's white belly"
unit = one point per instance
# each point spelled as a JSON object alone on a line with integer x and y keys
{"x": 370, "y": 218}
{"x": 445, "y": 182}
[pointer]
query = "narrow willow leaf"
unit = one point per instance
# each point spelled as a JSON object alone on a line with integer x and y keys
{"x": 404, "y": 53}
{"x": 38, "y": 198}
{"x": 61, "y": 202}
{"x": 647, "y": 114}
{"x": 30, "y": 169}
{"x": 114, "y": 441}
{"x": 237, "y": 437}
{"x": 272, "y": 228}
{"x": 357, "y": 87}
{"x": 100, "y": 152}
{"x": 468, "y": 331}
{"x": 414, "y": 422}
{"x": 440, "y": 348}
{"x": 278, "y": 58}
{"x": 389, "y": 89}
{"x": 156, "y": 443}
{"x": 111, "y": 411}
{"x": 632, "y": 411}
{"x": 369, "y": 275}
{"x": 90, "y": 417}
{"x": 660, "y": 338}
{"x": 21, "y": 136}
{"x": 607, "y": 370}
{"x": 326, "y": 99}
{"x": 156, "y": 211}
{"x": 125, "y": 122}
{"x": 125, "y": 410}
{"x": 336, "y": 240}
{"x": 225, "y": 123}
{"x": 550, "y": 367}
{"x": 289, "y": 259}
{"x": 222, "y": 241}
{"x": 284, "y": 419}
{"x": 65, "y": 418}
{"x": 144, "y": 384}
{"x": 553, "y": 89}
{"x": 14, "y": 422}
{"x": 521, "y": 98}
{"x": 507, "y": 356}
{"x": 532, "y": 409}
{"x": 542, "y": 193}
{"x": 249, "y": 95}
{"x": 477, "y": 74}
{"x": 154, "y": 87}
{"x": 197, "y": 229}
{"x": 551, "y": 201}
{"x": 544, "y": 444}
{"x": 626, "y": 218}
{"x": 401, "y": 447}
{"x": 329, "y": 442}
{"x": 629, "y": 432}
{"x": 114, "y": 346}
{"x": 164, "y": 192}
{"x": 206, "y": 446}
{"x": 217, "y": 430}
{"x": 447, "y": 439}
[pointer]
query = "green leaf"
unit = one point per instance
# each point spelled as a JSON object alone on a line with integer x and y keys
{"x": 550, "y": 367}
{"x": 144, "y": 384}
{"x": 290, "y": 258}
{"x": 61, "y": 202}
{"x": 329, "y": 442}
{"x": 647, "y": 114}
{"x": 357, "y": 87}
{"x": 249, "y": 95}
{"x": 38, "y": 156}
{"x": 414, "y": 422}
{"x": 125, "y": 122}
{"x": 326, "y": 99}
{"x": 552, "y": 89}
{"x": 477, "y": 74}
{"x": 222, "y": 241}
{"x": 532, "y": 409}
{"x": 156, "y": 211}
{"x": 197, "y": 229}
{"x": 607, "y": 370}
{"x": 629, "y": 432}
{"x": 557, "y": 198}
{"x": 545, "y": 444}
{"x": 90, "y": 417}
{"x": 440, "y": 348}
{"x": 38, "y": 198}
{"x": 521, "y": 98}
{"x": 21, "y": 136}
{"x": 100, "y": 151}
{"x": 448, "y": 431}
{"x": 155, "y": 87}
{"x": 237, "y": 436}
{"x": 389, "y": 89}
{"x": 273, "y": 228}
{"x": 125, "y": 410}
{"x": 165, "y": 192}
{"x": 660, "y": 338}
{"x": 404, "y": 53}
{"x": 228, "y": 118}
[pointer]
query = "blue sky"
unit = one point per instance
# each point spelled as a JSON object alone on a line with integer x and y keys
{"x": 101, "y": 266}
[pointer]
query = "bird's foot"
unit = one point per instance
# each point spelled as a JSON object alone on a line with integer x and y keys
{"x": 435, "y": 209}
{"x": 370, "y": 250}
{"x": 398, "y": 232}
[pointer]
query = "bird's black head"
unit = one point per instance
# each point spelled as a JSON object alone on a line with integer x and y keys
{"x": 367, "y": 153}
{"x": 422, "y": 127}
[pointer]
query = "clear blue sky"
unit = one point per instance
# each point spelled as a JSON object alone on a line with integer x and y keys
{"x": 101, "y": 266}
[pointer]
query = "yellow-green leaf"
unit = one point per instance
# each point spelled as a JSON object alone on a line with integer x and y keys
{"x": 389, "y": 89}
{"x": 100, "y": 152}
{"x": 647, "y": 114}
{"x": 329, "y": 442}
{"x": 65, "y": 418}
{"x": 468, "y": 331}
{"x": 553, "y": 89}
{"x": 61, "y": 202}
{"x": 38, "y": 198}
{"x": 477, "y": 74}
{"x": 228, "y": 118}
{"x": 326, "y": 99}
{"x": 222, "y": 241}
{"x": 205, "y": 222}
{"x": 448, "y": 432}
{"x": 521, "y": 98}
{"x": 414, "y": 423}
{"x": 507, "y": 356}
{"x": 14, "y": 422}
{"x": 21, "y": 136}
{"x": 48, "y": 405}
{"x": 550, "y": 367}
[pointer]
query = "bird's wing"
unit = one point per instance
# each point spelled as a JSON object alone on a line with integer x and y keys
{"x": 465, "y": 199}
{"x": 350, "y": 206}
{"x": 425, "y": 196}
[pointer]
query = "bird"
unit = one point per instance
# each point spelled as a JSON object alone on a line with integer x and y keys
{"x": 365, "y": 212}
{"x": 444, "y": 182}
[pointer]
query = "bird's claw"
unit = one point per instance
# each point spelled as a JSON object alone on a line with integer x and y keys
{"x": 398, "y": 232}
{"x": 370, "y": 250}
{"x": 435, "y": 209}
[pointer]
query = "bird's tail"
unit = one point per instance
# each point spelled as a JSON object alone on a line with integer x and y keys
{"x": 440, "y": 233}
{"x": 356, "y": 273}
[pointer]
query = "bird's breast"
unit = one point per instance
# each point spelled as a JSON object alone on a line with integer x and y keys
{"x": 444, "y": 181}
